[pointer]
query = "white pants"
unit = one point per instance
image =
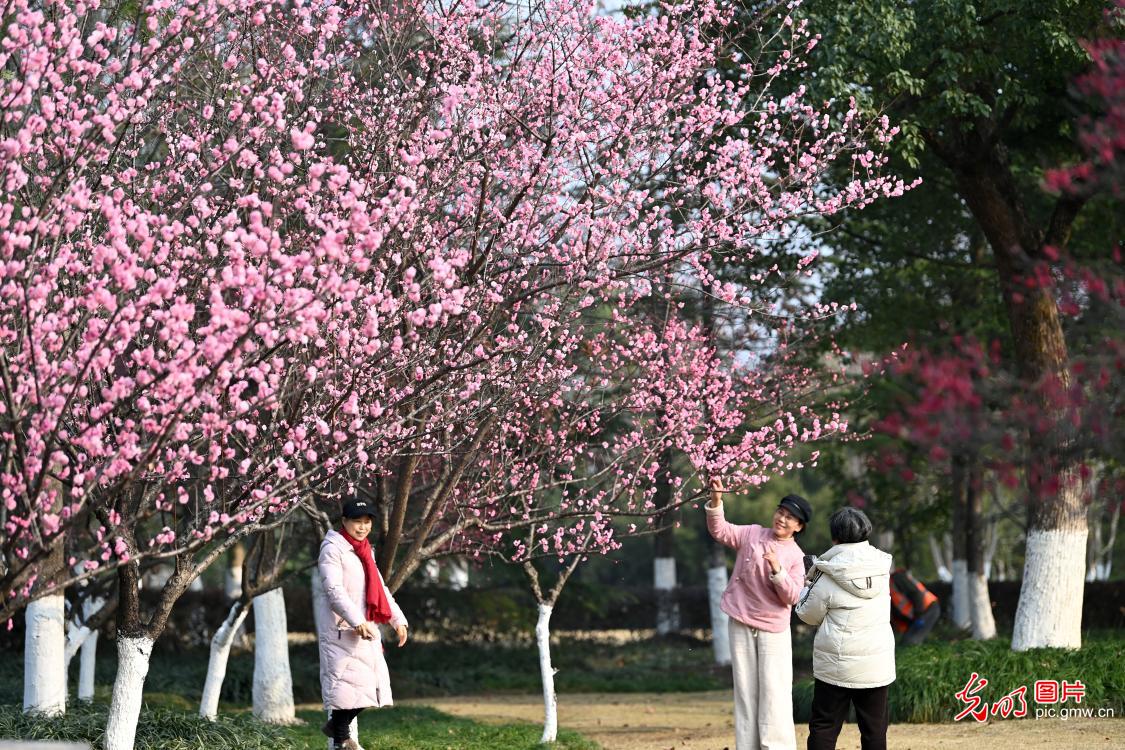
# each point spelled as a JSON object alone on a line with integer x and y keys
{"x": 763, "y": 688}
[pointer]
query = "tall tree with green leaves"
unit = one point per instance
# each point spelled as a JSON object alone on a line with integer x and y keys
{"x": 981, "y": 92}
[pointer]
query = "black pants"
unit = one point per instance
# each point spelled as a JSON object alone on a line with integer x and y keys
{"x": 922, "y": 626}
{"x": 339, "y": 721}
{"x": 830, "y": 708}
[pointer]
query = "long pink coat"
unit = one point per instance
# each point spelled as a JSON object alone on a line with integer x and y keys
{"x": 353, "y": 672}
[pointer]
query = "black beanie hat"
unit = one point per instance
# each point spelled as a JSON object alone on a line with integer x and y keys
{"x": 798, "y": 506}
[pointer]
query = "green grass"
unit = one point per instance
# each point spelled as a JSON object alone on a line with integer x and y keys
{"x": 164, "y": 725}
{"x": 656, "y": 665}
{"x": 422, "y": 728}
{"x": 930, "y": 675}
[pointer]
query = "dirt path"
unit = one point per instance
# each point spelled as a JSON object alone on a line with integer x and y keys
{"x": 703, "y": 721}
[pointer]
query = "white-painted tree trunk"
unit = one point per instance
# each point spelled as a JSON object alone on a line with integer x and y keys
{"x": 458, "y": 574}
{"x": 317, "y": 586}
{"x": 76, "y": 633}
{"x": 664, "y": 581}
{"x": 962, "y": 614}
{"x": 1000, "y": 570}
{"x": 720, "y": 637}
{"x": 990, "y": 550}
{"x": 1099, "y": 560}
{"x": 547, "y": 675}
{"x": 220, "y": 656}
{"x": 1049, "y": 614}
{"x": 232, "y": 582}
{"x": 980, "y": 606}
{"x": 1100, "y": 571}
{"x": 81, "y": 639}
{"x": 89, "y": 660}
{"x": 232, "y": 576}
{"x": 273, "y": 682}
{"x": 943, "y": 572}
{"x": 76, "y": 636}
{"x": 44, "y": 656}
{"x": 133, "y": 654}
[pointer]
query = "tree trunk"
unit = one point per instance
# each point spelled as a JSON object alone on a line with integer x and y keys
{"x": 993, "y": 535}
{"x": 941, "y": 564}
{"x": 547, "y": 675}
{"x": 232, "y": 577}
{"x": 1099, "y": 558}
{"x": 664, "y": 553}
{"x": 273, "y": 682}
{"x": 76, "y": 636}
{"x": 396, "y": 517}
{"x": 133, "y": 654}
{"x": 44, "y": 665}
{"x": 135, "y": 637}
{"x": 220, "y": 656}
{"x": 317, "y": 587}
{"x": 980, "y": 605}
{"x": 716, "y": 585}
{"x": 885, "y": 540}
{"x": 961, "y": 614}
{"x": 1049, "y": 613}
{"x": 86, "y": 665}
{"x": 458, "y": 573}
{"x": 664, "y": 582}
{"x": 134, "y": 648}
{"x": 83, "y": 639}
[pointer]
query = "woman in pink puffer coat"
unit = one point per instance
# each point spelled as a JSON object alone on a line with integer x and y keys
{"x": 353, "y": 672}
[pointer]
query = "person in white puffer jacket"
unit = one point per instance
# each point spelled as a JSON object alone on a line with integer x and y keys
{"x": 848, "y": 597}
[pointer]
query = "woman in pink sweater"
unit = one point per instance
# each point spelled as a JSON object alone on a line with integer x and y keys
{"x": 765, "y": 584}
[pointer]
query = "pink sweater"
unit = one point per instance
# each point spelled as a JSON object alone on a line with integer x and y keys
{"x": 754, "y": 596}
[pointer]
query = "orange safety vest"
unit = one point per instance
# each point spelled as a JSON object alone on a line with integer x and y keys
{"x": 903, "y": 607}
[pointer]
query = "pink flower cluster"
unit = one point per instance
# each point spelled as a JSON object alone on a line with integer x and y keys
{"x": 253, "y": 251}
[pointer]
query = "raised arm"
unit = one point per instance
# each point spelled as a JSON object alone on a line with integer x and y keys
{"x": 724, "y": 533}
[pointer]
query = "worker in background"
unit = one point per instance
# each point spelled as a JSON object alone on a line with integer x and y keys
{"x": 914, "y": 608}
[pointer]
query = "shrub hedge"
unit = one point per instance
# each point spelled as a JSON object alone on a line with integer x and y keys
{"x": 160, "y": 728}
{"x": 930, "y": 676}
{"x": 166, "y": 727}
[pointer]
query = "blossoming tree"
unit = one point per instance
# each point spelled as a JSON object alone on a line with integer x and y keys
{"x": 254, "y": 253}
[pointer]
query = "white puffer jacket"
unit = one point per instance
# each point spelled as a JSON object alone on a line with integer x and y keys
{"x": 848, "y": 596}
{"x": 353, "y": 671}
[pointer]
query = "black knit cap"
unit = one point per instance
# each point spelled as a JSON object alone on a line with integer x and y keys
{"x": 358, "y": 509}
{"x": 798, "y": 506}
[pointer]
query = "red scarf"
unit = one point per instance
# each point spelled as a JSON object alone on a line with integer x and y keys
{"x": 378, "y": 608}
